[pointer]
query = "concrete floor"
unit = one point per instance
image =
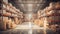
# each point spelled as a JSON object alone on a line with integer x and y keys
{"x": 28, "y": 28}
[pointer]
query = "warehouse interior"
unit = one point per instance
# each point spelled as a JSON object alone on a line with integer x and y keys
{"x": 29, "y": 16}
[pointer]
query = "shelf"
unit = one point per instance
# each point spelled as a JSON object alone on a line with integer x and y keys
{"x": 12, "y": 8}
{"x": 11, "y": 12}
{"x": 7, "y": 15}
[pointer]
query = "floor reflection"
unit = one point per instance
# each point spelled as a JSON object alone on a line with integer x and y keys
{"x": 35, "y": 30}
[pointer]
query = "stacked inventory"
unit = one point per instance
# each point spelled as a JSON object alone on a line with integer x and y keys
{"x": 51, "y": 14}
{"x": 9, "y": 16}
{"x": 39, "y": 20}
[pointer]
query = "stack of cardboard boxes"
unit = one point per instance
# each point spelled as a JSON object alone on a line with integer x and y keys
{"x": 10, "y": 16}
{"x": 52, "y": 15}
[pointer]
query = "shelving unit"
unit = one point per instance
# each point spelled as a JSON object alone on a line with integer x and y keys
{"x": 10, "y": 16}
{"x": 52, "y": 14}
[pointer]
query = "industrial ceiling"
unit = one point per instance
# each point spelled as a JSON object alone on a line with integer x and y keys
{"x": 31, "y": 6}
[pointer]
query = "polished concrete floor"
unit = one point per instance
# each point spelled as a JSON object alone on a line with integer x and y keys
{"x": 28, "y": 28}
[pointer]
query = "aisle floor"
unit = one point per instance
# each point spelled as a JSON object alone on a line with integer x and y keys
{"x": 28, "y": 28}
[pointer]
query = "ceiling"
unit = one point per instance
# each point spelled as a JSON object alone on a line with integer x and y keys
{"x": 31, "y": 6}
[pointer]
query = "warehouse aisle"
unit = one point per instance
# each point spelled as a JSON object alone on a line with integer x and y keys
{"x": 30, "y": 17}
{"x": 27, "y": 25}
{"x": 27, "y": 28}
